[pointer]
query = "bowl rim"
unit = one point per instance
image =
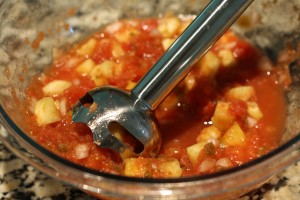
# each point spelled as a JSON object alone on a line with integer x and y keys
{"x": 281, "y": 150}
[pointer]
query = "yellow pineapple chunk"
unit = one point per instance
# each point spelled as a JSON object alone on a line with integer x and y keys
{"x": 209, "y": 64}
{"x": 100, "y": 73}
{"x": 194, "y": 151}
{"x": 125, "y": 35}
{"x": 210, "y": 132}
{"x": 227, "y": 58}
{"x": 222, "y": 118}
{"x": 118, "y": 69}
{"x": 253, "y": 110}
{"x": 135, "y": 167}
{"x": 149, "y": 167}
{"x": 56, "y": 87}
{"x": 168, "y": 26}
{"x": 130, "y": 85}
{"x": 87, "y": 48}
{"x": 46, "y": 111}
{"x": 184, "y": 25}
{"x": 117, "y": 50}
{"x": 167, "y": 42}
{"x": 233, "y": 136}
{"x": 171, "y": 168}
{"x": 243, "y": 93}
{"x": 86, "y": 66}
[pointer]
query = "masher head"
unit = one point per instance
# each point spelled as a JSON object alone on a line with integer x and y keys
{"x": 119, "y": 121}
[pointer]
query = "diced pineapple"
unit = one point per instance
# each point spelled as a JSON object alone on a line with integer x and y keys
{"x": 222, "y": 118}
{"x": 171, "y": 168}
{"x": 148, "y": 167}
{"x": 135, "y": 167}
{"x": 119, "y": 132}
{"x": 87, "y": 48}
{"x": 46, "y": 111}
{"x": 100, "y": 73}
{"x": 117, "y": 50}
{"x": 184, "y": 25}
{"x": 167, "y": 42}
{"x": 56, "y": 87}
{"x": 130, "y": 85}
{"x": 207, "y": 133}
{"x": 227, "y": 58}
{"x": 254, "y": 110}
{"x": 194, "y": 151}
{"x": 125, "y": 35}
{"x": 168, "y": 26}
{"x": 118, "y": 69}
{"x": 233, "y": 136}
{"x": 86, "y": 66}
{"x": 209, "y": 65}
{"x": 127, "y": 153}
{"x": 243, "y": 93}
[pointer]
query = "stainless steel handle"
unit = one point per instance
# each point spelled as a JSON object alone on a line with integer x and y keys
{"x": 194, "y": 42}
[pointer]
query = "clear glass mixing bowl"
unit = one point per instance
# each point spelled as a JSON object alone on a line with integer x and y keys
{"x": 31, "y": 32}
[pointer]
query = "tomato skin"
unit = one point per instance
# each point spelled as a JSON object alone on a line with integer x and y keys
{"x": 238, "y": 109}
{"x": 103, "y": 50}
{"x": 75, "y": 92}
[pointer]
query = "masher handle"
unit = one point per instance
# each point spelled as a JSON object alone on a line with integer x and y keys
{"x": 193, "y": 43}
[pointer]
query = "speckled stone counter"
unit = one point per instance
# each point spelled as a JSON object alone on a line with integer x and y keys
{"x": 19, "y": 181}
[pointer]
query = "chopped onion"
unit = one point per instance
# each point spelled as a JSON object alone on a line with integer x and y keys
{"x": 207, "y": 165}
{"x": 63, "y": 106}
{"x": 133, "y": 23}
{"x": 33, "y": 102}
{"x": 81, "y": 151}
{"x": 72, "y": 62}
{"x": 42, "y": 78}
{"x": 216, "y": 142}
{"x": 251, "y": 122}
{"x": 230, "y": 45}
{"x": 224, "y": 163}
{"x": 114, "y": 27}
{"x": 154, "y": 166}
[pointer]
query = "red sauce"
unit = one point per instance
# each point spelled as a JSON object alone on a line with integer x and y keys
{"x": 184, "y": 113}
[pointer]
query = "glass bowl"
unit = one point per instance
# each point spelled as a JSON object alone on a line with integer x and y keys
{"x": 31, "y": 33}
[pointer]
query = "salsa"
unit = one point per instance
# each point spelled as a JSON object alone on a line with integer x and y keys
{"x": 228, "y": 110}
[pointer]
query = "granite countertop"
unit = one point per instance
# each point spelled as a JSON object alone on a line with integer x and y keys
{"x": 19, "y": 181}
